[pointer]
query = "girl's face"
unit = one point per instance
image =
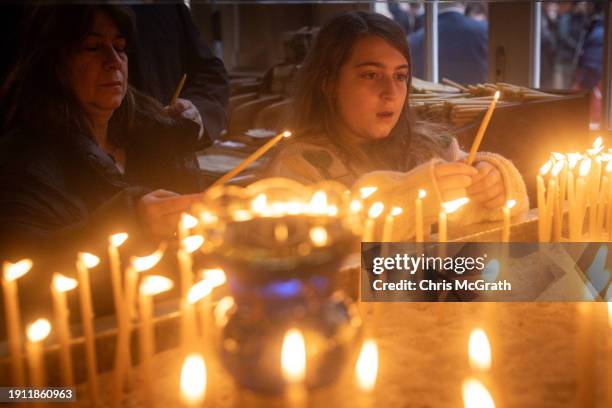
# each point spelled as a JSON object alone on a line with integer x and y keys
{"x": 98, "y": 71}
{"x": 372, "y": 88}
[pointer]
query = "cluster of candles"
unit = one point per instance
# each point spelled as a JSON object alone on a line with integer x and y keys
{"x": 579, "y": 185}
{"x": 129, "y": 291}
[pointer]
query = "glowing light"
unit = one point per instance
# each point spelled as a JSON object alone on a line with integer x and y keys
{"x": 215, "y": 276}
{"x": 510, "y": 204}
{"x": 355, "y": 206}
{"x": 395, "y": 211}
{"x": 293, "y": 357}
{"x": 609, "y": 167}
{"x": 63, "y": 283}
{"x": 332, "y": 210}
{"x": 224, "y": 305}
{"x": 496, "y": 96}
{"x": 208, "y": 218}
{"x": 365, "y": 192}
{"x": 476, "y": 395}
{"x": 39, "y": 330}
{"x": 546, "y": 168}
{"x": 188, "y": 221}
{"x": 452, "y": 206}
{"x": 144, "y": 263}
{"x": 193, "y": 379}
{"x": 89, "y": 260}
{"x": 155, "y": 284}
{"x": 376, "y": 209}
{"x": 479, "y": 350}
{"x": 281, "y": 232}
{"x": 242, "y": 215}
{"x": 585, "y": 167}
{"x": 597, "y": 146}
{"x": 573, "y": 159}
{"x": 366, "y": 369}
{"x": 192, "y": 243}
{"x": 422, "y": 193}
{"x": 318, "y": 236}
{"x": 16, "y": 270}
{"x": 557, "y": 168}
{"x": 118, "y": 239}
{"x": 199, "y": 291}
{"x": 286, "y": 133}
{"x": 557, "y": 156}
{"x": 258, "y": 205}
{"x": 318, "y": 202}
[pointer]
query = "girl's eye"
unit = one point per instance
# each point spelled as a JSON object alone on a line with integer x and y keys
{"x": 90, "y": 47}
{"x": 369, "y": 75}
{"x": 119, "y": 46}
{"x": 401, "y": 77}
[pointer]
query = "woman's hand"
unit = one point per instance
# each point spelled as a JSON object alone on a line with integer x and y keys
{"x": 186, "y": 109}
{"x": 487, "y": 186}
{"x": 453, "y": 179}
{"x": 161, "y": 210}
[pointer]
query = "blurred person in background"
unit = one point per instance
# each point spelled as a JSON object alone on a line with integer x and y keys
{"x": 571, "y": 36}
{"x": 548, "y": 45}
{"x": 477, "y": 11}
{"x": 462, "y": 46}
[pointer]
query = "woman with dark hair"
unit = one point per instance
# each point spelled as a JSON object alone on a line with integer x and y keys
{"x": 352, "y": 123}
{"x": 84, "y": 155}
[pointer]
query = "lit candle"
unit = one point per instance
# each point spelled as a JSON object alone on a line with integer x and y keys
{"x": 556, "y": 213}
{"x": 293, "y": 365}
{"x": 62, "y": 284}
{"x": 150, "y": 286}
{"x": 370, "y": 226}
{"x": 10, "y": 273}
{"x": 448, "y": 207}
{"x": 476, "y": 395}
{"x": 199, "y": 292}
{"x": 542, "y": 209}
{"x": 482, "y": 129}
{"x": 388, "y": 226}
{"x": 188, "y": 246}
{"x": 418, "y": 216}
{"x": 36, "y": 333}
{"x": 193, "y": 380}
{"x": 366, "y": 370}
{"x": 186, "y": 222}
{"x": 366, "y": 192}
{"x": 85, "y": 262}
{"x": 551, "y": 200}
{"x": 585, "y": 168}
{"x": 254, "y": 156}
{"x": 506, "y": 227}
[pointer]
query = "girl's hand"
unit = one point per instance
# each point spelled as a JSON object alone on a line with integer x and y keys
{"x": 487, "y": 186}
{"x": 161, "y": 210}
{"x": 453, "y": 179}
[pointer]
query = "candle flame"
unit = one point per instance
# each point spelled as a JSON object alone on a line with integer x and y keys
{"x": 453, "y": 205}
{"x": 193, "y": 378}
{"x": 155, "y": 284}
{"x": 16, "y": 270}
{"x": 242, "y": 215}
{"x": 585, "y": 167}
{"x": 422, "y": 193}
{"x": 366, "y": 369}
{"x": 573, "y": 159}
{"x": 476, "y": 395}
{"x": 557, "y": 156}
{"x": 63, "y": 283}
{"x": 143, "y": 263}
{"x": 89, "y": 260}
{"x": 207, "y": 217}
{"x": 332, "y": 210}
{"x": 479, "y": 350}
{"x": 365, "y": 192}
{"x": 224, "y": 305}
{"x": 510, "y": 204}
{"x": 318, "y": 203}
{"x": 192, "y": 243}
{"x": 395, "y": 211}
{"x": 557, "y": 168}
{"x": 215, "y": 276}
{"x": 118, "y": 239}
{"x": 199, "y": 291}
{"x": 609, "y": 167}
{"x": 355, "y": 206}
{"x": 258, "y": 205}
{"x": 376, "y": 209}
{"x": 286, "y": 133}
{"x": 597, "y": 146}
{"x": 39, "y": 330}
{"x": 545, "y": 168}
{"x": 188, "y": 221}
{"x": 318, "y": 236}
{"x": 496, "y": 96}
{"x": 293, "y": 357}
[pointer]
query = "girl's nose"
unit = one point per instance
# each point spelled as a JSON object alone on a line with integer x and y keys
{"x": 112, "y": 59}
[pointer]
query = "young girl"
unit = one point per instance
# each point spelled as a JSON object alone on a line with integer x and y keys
{"x": 352, "y": 123}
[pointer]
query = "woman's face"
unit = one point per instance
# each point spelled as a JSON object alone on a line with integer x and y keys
{"x": 372, "y": 88}
{"x": 98, "y": 71}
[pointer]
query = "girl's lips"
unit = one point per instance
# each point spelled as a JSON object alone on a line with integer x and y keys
{"x": 384, "y": 115}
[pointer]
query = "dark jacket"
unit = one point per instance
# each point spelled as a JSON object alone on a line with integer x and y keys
{"x": 462, "y": 49}
{"x": 61, "y": 193}
{"x": 168, "y": 46}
